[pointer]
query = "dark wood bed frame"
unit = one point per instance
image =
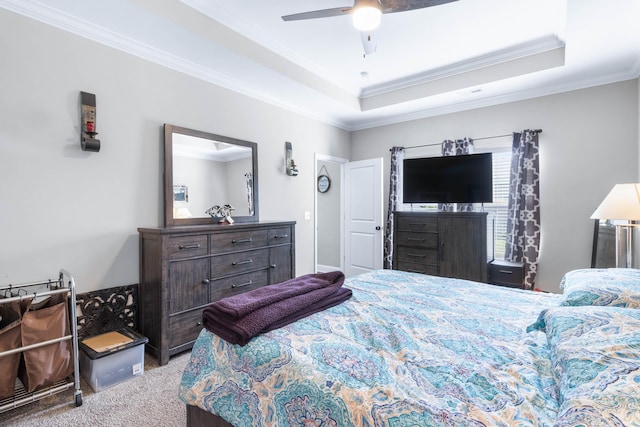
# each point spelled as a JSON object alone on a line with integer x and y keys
{"x": 197, "y": 417}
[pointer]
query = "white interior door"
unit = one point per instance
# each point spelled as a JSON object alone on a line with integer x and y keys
{"x": 363, "y": 216}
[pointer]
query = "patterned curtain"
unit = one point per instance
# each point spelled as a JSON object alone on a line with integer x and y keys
{"x": 523, "y": 221}
{"x": 455, "y": 148}
{"x": 397, "y": 153}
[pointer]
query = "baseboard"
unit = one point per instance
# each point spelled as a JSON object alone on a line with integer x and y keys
{"x": 326, "y": 268}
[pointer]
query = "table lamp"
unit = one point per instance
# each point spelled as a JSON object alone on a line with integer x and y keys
{"x": 622, "y": 204}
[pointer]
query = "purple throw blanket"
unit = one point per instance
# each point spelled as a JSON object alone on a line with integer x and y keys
{"x": 241, "y": 317}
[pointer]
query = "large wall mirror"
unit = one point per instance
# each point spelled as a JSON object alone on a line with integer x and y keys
{"x": 203, "y": 170}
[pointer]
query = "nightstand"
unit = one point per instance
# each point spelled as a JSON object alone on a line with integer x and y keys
{"x": 505, "y": 273}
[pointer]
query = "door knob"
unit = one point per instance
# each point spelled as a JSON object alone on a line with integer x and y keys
{"x": 378, "y": 227}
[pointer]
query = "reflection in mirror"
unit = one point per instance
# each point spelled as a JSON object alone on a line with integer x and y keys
{"x": 604, "y": 244}
{"x": 205, "y": 170}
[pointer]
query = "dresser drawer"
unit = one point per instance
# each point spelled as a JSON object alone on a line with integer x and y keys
{"x": 184, "y": 327}
{"x": 235, "y": 263}
{"x": 418, "y": 255}
{"x": 409, "y": 223}
{"x": 417, "y": 268}
{"x": 506, "y": 273}
{"x": 187, "y": 246}
{"x": 238, "y": 241}
{"x": 223, "y": 288}
{"x": 425, "y": 240}
{"x": 279, "y": 236}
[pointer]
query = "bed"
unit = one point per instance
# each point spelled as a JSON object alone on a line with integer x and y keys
{"x": 415, "y": 350}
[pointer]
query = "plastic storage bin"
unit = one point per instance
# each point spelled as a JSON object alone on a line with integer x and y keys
{"x": 111, "y": 358}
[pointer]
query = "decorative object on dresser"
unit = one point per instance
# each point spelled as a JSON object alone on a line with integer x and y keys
{"x": 506, "y": 273}
{"x": 447, "y": 244}
{"x": 183, "y": 269}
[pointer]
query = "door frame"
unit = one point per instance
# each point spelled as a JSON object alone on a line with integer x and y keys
{"x": 342, "y": 162}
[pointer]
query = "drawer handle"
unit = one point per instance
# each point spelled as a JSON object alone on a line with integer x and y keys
{"x": 205, "y": 282}
{"x": 284, "y": 236}
{"x": 247, "y": 261}
{"x": 442, "y": 251}
{"x": 198, "y": 323}
{"x": 273, "y": 266}
{"x": 242, "y": 284}
{"x": 505, "y": 271}
{"x": 416, "y": 255}
{"x": 413, "y": 239}
{"x": 249, "y": 240}
{"x": 196, "y": 246}
{"x": 417, "y": 223}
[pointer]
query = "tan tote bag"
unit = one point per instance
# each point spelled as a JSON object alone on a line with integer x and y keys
{"x": 44, "y": 366}
{"x": 10, "y": 339}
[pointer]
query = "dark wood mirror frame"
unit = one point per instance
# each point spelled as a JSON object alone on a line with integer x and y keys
{"x": 169, "y": 220}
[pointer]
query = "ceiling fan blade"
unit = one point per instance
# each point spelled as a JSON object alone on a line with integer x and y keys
{"x": 324, "y": 13}
{"x": 392, "y": 6}
{"x": 369, "y": 42}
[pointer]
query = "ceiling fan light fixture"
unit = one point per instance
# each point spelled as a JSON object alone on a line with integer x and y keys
{"x": 366, "y": 15}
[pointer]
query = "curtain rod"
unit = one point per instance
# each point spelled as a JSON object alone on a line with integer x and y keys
{"x": 475, "y": 139}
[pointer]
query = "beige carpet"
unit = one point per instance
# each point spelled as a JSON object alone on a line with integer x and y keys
{"x": 148, "y": 400}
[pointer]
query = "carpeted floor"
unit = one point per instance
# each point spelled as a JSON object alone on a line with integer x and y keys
{"x": 148, "y": 400}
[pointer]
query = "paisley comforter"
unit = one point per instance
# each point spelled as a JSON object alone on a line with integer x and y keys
{"x": 415, "y": 350}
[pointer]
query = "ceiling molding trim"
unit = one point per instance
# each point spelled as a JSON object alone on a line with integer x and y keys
{"x": 509, "y": 54}
{"x": 523, "y": 95}
{"x": 55, "y": 18}
{"x": 238, "y": 24}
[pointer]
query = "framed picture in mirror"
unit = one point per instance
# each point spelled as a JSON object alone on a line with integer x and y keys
{"x": 180, "y": 193}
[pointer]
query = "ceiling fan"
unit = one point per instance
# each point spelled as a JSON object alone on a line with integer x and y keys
{"x": 366, "y": 14}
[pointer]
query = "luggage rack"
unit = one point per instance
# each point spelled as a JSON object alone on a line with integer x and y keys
{"x": 37, "y": 290}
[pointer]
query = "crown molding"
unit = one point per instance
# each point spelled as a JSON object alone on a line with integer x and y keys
{"x": 504, "y": 55}
{"x": 514, "y": 96}
{"x": 41, "y": 12}
{"x": 238, "y": 24}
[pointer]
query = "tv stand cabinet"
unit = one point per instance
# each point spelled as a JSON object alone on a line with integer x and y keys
{"x": 447, "y": 244}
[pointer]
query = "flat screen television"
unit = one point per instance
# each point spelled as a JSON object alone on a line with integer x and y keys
{"x": 450, "y": 179}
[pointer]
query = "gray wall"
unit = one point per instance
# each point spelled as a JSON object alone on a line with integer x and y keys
{"x": 589, "y": 143}
{"x": 328, "y": 211}
{"x": 62, "y": 207}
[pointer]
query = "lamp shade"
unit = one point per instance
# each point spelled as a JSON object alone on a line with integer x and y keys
{"x": 622, "y": 202}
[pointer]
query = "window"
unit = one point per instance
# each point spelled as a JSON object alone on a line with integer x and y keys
{"x": 497, "y": 220}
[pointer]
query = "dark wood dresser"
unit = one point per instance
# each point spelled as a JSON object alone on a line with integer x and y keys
{"x": 185, "y": 268}
{"x": 448, "y": 244}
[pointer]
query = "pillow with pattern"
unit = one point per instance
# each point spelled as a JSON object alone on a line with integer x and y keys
{"x": 617, "y": 287}
{"x": 595, "y": 356}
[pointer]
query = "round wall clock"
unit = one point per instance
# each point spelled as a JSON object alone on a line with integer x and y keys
{"x": 324, "y": 183}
